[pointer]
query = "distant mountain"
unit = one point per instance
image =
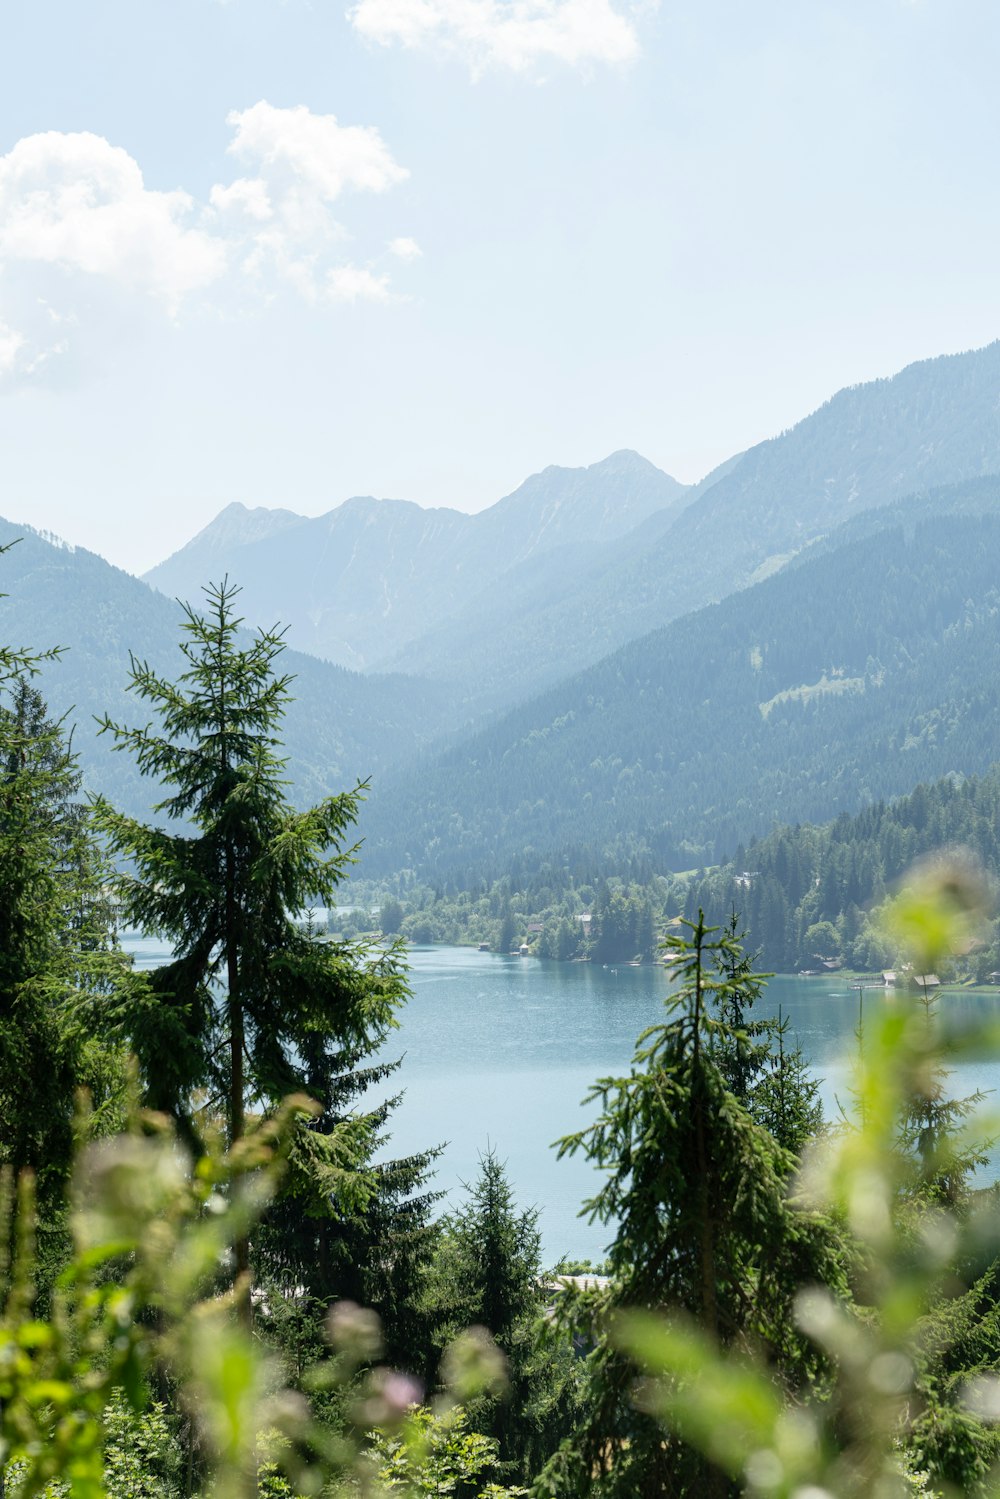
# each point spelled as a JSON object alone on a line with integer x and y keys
{"x": 935, "y": 423}
{"x": 838, "y": 681}
{"x": 235, "y": 526}
{"x": 355, "y": 585}
{"x": 853, "y": 650}
{"x": 342, "y": 727}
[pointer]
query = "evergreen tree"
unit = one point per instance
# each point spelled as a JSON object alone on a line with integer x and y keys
{"x": 933, "y": 1128}
{"x": 58, "y": 960}
{"x": 786, "y": 1098}
{"x": 698, "y": 1194}
{"x": 251, "y": 1008}
{"x": 615, "y": 938}
{"x": 769, "y": 1078}
{"x": 493, "y": 1256}
{"x": 487, "y": 1273}
{"x": 374, "y": 1251}
{"x": 508, "y": 930}
{"x": 742, "y": 1043}
{"x": 391, "y": 917}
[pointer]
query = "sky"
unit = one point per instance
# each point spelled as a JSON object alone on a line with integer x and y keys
{"x": 288, "y": 251}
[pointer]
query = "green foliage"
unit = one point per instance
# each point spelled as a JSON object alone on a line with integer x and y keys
{"x": 251, "y": 1008}
{"x": 143, "y": 1458}
{"x": 487, "y": 1273}
{"x": 696, "y": 1192}
{"x": 765, "y": 1074}
{"x": 539, "y": 903}
{"x": 148, "y": 1233}
{"x": 59, "y": 967}
{"x": 623, "y": 926}
{"x": 508, "y": 931}
{"x": 903, "y": 1406}
{"x": 390, "y": 918}
{"x": 142, "y": 1455}
{"x": 785, "y": 1099}
{"x": 139, "y": 1299}
{"x": 488, "y": 1259}
{"x": 224, "y": 894}
{"x": 436, "y": 1454}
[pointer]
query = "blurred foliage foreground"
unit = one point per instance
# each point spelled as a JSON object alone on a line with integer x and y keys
{"x": 885, "y": 1380}
{"x": 139, "y": 1306}
{"x": 911, "y": 1384}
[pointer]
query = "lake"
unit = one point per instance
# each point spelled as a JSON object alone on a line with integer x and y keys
{"x": 500, "y": 1051}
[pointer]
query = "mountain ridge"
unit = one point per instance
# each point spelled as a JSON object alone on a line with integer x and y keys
{"x": 935, "y": 422}
{"x": 356, "y": 582}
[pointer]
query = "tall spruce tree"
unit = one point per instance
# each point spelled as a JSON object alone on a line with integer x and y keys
{"x": 742, "y": 1040}
{"x": 374, "y": 1251}
{"x": 765, "y": 1074}
{"x": 487, "y": 1272}
{"x": 696, "y": 1196}
{"x": 786, "y": 1098}
{"x": 59, "y": 965}
{"x": 252, "y": 1007}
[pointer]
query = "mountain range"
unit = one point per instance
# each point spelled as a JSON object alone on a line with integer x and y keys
{"x": 834, "y": 683}
{"x": 605, "y": 654}
{"x": 577, "y": 562}
{"x": 358, "y": 584}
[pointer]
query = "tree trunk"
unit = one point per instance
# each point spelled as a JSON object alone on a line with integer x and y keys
{"x": 715, "y": 1481}
{"x": 237, "y": 1088}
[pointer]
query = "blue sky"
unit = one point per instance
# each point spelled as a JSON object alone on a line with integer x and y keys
{"x": 286, "y": 251}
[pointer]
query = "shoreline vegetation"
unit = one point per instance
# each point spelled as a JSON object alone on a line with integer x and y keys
{"x": 810, "y": 898}
{"x": 850, "y": 976}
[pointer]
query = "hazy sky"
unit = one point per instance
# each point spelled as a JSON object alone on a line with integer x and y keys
{"x": 285, "y": 251}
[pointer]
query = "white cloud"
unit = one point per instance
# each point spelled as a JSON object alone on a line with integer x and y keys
{"x": 355, "y": 283}
{"x": 312, "y": 152}
{"x": 78, "y": 202}
{"x": 11, "y": 343}
{"x": 244, "y": 196}
{"x": 515, "y": 34}
{"x": 283, "y": 216}
{"x": 54, "y": 351}
{"x": 74, "y": 208}
{"x": 405, "y": 249}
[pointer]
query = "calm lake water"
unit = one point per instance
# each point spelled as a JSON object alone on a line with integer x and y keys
{"x": 500, "y": 1051}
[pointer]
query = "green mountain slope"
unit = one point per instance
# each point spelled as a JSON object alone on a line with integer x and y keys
{"x": 834, "y": 683}
{"x": 342, "y": 727}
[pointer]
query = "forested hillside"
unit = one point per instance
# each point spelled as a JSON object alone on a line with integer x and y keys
{"x": 341, "y": 726}
{"x": 807, "y": 893}
{"x": 833, "y": 684}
